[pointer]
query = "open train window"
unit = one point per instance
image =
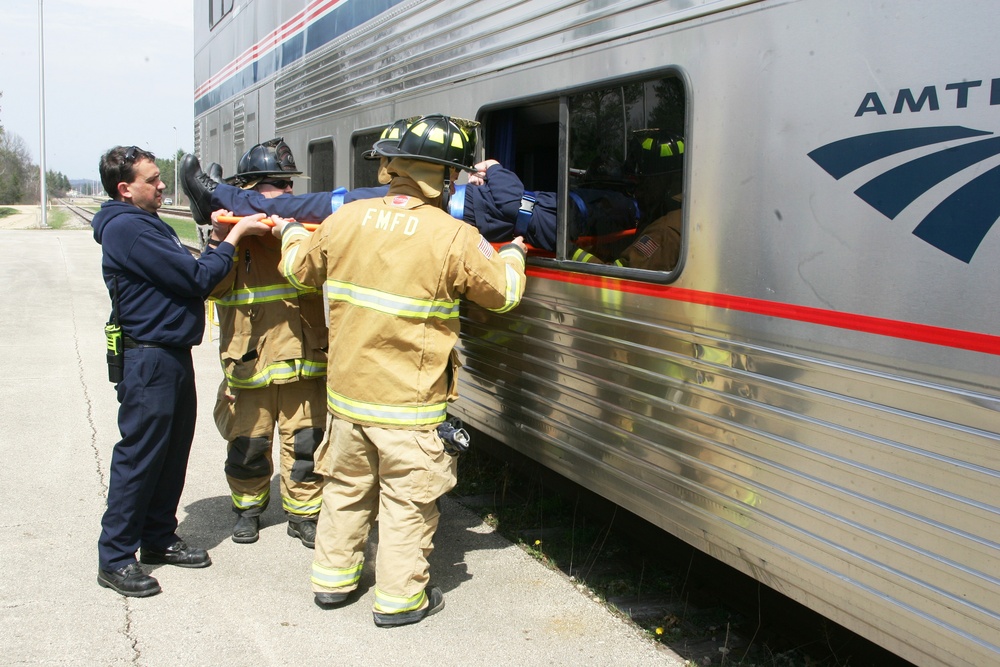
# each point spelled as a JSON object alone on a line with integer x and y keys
{"x": 321, "y": 175}
{"x": 623, "y": 157}
{"x": 217, "y": 10}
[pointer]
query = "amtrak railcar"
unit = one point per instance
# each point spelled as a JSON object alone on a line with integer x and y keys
{"x": 809, "y": 390}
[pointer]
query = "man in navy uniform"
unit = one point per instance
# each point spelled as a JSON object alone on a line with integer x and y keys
{"x": 160, "y": 291}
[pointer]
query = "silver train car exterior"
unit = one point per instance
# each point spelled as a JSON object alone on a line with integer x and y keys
{"x": 811, "y": 393}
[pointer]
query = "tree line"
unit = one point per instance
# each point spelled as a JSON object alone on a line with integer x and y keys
{"x": 19, "y": 176}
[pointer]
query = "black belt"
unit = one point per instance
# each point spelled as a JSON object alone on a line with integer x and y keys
{"x": 131, "y": 344}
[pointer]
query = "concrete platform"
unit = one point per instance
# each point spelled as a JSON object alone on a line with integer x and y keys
{"x": 254, "y": 605}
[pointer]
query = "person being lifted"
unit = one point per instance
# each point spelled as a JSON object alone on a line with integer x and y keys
{"x": 494, "y": 201}
{"x": 272, "y": 344}
{"x": 395, "y": 269}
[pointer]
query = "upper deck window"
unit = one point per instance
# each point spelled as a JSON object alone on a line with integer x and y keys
{"x": 217, "y": 10}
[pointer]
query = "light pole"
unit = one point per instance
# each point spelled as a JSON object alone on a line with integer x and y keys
{"x": 42, "y": 194}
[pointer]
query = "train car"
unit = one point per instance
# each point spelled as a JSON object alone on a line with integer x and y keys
{"x": 808, "y": 391}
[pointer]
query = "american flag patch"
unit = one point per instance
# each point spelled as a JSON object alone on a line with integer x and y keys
{"x": 485, "y": 248}
{"x": 646, "y": 246}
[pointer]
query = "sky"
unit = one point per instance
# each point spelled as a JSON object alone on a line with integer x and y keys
{"x": 117, "y": 72}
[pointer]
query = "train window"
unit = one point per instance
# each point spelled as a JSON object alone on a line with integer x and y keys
{"x": 217, "y": 10}
{"x": 321, "y": 176}
{"x": 626, "y": 157}
{"x": 364, "y": 172}
{"x": 624, "y": 153}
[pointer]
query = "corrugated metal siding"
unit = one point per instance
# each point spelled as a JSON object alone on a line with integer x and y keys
{"x": 425, "y": 45}
{"x": 800, "y": 470}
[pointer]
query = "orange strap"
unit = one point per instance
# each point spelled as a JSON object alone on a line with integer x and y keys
{"x": 311, "y": 226}
{"x": 233, "y": 219}
{"x": 605, "y": 238}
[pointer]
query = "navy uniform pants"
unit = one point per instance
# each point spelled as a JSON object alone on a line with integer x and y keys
{"x": 156, "y": 420}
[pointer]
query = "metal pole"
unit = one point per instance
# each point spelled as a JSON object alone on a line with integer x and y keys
{"x": 41, "y": 113}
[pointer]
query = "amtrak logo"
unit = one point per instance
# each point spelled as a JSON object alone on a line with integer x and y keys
{"x": 960, "y": 222}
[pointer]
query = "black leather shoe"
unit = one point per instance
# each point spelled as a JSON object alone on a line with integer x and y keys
{"x": 215, "y": 172}
{"x": 198, "y": 186}
{"x": 328, "y": 600}
{"x": 246, "y": 530}
{"x": 129, "y": 580}
{"x": 178, "y": 553}
{"x": 435, "y": 603}
{"x": 305, "y": 531}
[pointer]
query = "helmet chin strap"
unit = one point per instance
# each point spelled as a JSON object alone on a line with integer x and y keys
{"x": 446, "y": 189}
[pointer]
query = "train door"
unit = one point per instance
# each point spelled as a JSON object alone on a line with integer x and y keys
{"x": 228, "y": 157}
{"x": 245, "y": 125}
{"x": 211, "y": 140}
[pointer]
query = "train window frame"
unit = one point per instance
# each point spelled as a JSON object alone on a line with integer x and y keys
{"x": 218, "y": 10}
{"x": 322, "y": 171}
{"x": 563, "y": 255}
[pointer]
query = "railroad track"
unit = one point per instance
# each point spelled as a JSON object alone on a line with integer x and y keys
{"x": 702, "y": 609}
{"x": 86, "y": 216}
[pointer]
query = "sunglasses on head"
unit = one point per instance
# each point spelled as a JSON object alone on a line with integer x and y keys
{"x": 131, "y": 154}
{"x": 281, "y": 184}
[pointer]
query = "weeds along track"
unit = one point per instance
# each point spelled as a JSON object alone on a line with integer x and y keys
{"x": 705, "y": 611}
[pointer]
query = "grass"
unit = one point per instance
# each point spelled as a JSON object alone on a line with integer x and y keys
{"x": 7, "y": 210}
{"x": 56, "y": 217}
{"x": 186, "y": 229}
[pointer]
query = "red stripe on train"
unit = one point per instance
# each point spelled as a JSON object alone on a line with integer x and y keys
{"x": 923, "y": 333}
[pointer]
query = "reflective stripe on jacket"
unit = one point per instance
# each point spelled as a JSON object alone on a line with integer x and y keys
{"x": 395, "y": 269}
{"x": 269, "y": 331}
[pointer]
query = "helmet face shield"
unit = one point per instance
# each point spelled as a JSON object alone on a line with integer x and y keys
{"x": 435, "y": 138}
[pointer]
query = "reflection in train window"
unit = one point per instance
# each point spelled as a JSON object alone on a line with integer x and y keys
{"x": 626, "y": 159}
{"x": 321, "y": 175}
{"x": 625, "y": 156}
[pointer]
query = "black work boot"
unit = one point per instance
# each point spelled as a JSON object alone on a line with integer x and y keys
{"x": 246, "y": 530}
{"x": 435, "y": 603}
{"x": 198, "y": 186}
{"x": 129, "y": 580}
{"x": 215, "y": 172}
{"x": 304, "y": 530}
{"x": 178, "y": 553}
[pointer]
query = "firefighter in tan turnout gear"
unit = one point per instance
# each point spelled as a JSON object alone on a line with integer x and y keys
{"x": 395, "y": 269}
{"x": 272, "y": 344}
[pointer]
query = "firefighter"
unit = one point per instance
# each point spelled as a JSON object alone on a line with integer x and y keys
{"x": 656, "y": 159}
{"x": 272, "y": 343}
{"x": 395, "y": 269}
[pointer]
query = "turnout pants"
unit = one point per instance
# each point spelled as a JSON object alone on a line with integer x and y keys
{"x": 156, "y": 419}
{"x": 397, "y": 476}
{"x": 247, "y": 423}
